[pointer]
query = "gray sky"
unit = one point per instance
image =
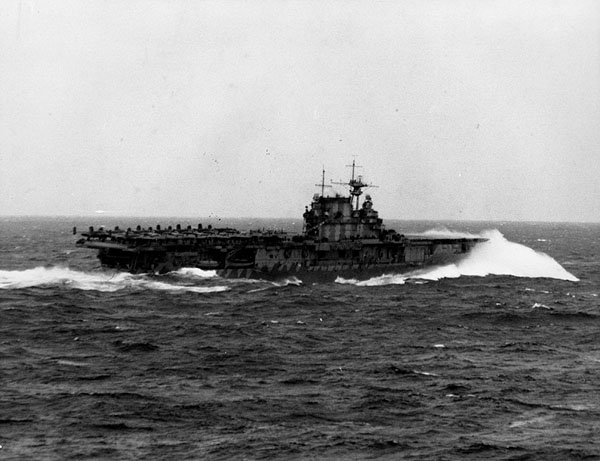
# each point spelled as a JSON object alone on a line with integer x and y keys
{"x": 482, "y": 110}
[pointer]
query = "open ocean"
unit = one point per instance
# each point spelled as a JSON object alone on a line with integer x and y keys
{"x": 497, "y": 357}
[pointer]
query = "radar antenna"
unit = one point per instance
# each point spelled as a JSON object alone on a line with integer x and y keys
{"x": 356, "y": 185}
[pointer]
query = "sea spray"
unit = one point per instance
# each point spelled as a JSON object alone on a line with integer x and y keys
{"x": 497, "y": 256}
{"x": 194, "y": 272}
{"x": 92, "y": 281}
{"x": 444, "y": 232}
{"x": 56, "y": 275}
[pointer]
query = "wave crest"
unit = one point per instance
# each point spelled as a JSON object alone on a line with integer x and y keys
{"x": 91, "y": 281}
{"x": 497, "y": 256}
{"x": 194, "y": 272}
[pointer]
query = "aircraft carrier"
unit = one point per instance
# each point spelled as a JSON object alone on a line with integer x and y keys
{"x": 341, "y": 237}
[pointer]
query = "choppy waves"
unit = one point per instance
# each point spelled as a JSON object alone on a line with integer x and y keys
{"x": 182, "y": 280}
{"x": 497, "y": 256}
{"x": 473, "y": 368}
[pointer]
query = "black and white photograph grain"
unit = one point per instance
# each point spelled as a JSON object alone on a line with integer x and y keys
{"x": 300, "y": 230}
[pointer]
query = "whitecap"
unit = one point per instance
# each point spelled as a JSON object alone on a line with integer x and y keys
{"x": 538, "y": 305}
{"x": 496, "y": 256}
{"x": 91, "y": 281}
{"x": 424, "y": 373}
{"x": 72, "y": 363}
{"x": 41, "y": 276}
{"x": 387, "y": 279}
{"x": 155, "y": 285}
{"x": 194, "y": 272}
{"x": 294, "y": 281}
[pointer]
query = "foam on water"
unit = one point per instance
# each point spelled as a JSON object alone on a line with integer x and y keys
{"x": 497, "y": 256}
{"x": 98, "y": 281}
{"x": 288, "y": 281}
{"x": 283, "y": 283}
{"x": 194, "y": 272}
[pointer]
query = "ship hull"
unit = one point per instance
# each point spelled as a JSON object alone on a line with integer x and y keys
{"x": 322, "y": 274}
{"x": 307, "y": 270}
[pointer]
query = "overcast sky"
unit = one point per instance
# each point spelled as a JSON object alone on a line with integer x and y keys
{"x": 478, "y": 110}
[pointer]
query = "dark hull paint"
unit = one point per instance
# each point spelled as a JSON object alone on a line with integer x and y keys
{"x": 321, "y": 274}
{"x": 324, "y": 272}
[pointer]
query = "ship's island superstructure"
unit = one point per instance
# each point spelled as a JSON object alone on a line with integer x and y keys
{"x": 340, "y": 237}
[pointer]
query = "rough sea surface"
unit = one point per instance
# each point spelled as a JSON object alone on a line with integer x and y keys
{"x": 497, "y": 357}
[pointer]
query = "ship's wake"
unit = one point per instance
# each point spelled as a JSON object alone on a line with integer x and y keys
{"x": 55, "y": 276}
{"x": 497, "y": 256}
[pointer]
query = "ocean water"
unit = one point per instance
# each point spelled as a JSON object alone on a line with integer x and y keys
{"x": 496, "y": 357}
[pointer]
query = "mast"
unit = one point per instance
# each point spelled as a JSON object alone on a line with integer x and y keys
{"x": 356, "y": 189}
{"x": 322, "y": 185}
{"x": 356, "y": 185}
{"x": 353, "y": 166}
